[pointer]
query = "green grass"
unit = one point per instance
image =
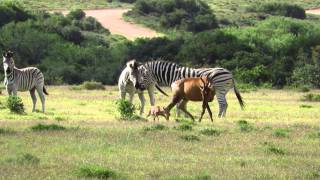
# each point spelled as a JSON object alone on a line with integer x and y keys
{"x": 281, "y": 132}
{"x": 49, "y": 127}
{"x": 311, "y": 97}
{"x": 221, "y": 151}
{"x": 70, "y": 4}
{"x": 97, "y": 172}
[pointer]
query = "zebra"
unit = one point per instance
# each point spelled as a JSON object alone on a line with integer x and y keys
{"x": 165, "y": 73}
{"x": 29, "y": 78}
{"x": 126, "y": 85}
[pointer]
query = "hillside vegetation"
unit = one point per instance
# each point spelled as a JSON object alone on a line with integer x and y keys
{"x": 275, "y": 50}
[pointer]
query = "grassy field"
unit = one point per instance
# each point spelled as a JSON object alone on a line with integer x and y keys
{"x": 276, "y": 137}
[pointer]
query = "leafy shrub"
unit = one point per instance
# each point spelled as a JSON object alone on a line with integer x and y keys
{"x": 14, "y": 103}
{"x": 307, "y": 75}
{"x": 244, "y": 126}
{"x": 97, "y": 172}
{"x": 190, "y": 138}
{"x": 11, "y": 12}
{"x": 72, "y": 33}
{"x": 280, "y": 9}
{"x": 311, "y": 97}
{"x": 92, "y": 85}
{"x": 125, "y": 108}
{"x": 210, "y": 132}
{"x": 315, "y": 135}
{"x": 281, "y": 132}
{"x": 77, "y": 14}
{"x": 49, "y": 127}
{"x": 304, "y": 89}
{"x": 157, "y": 127}
{"x": 189, "y": 15}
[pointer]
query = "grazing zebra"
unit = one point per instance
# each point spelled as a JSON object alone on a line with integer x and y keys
{"x": 29, "y": 78}
{"x": 126, "y": 85}
{"x": 165, "y": 73}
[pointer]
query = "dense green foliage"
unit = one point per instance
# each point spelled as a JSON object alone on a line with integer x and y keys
{"x": 75, "y": 48}
{"x": 14, "y": 104}
{"x": 189, "y": 15}
{"x": 280, "y": 9}
{"x": 126, "y": 109}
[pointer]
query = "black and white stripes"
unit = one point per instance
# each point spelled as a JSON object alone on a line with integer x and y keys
{"x": 26, "y": 79}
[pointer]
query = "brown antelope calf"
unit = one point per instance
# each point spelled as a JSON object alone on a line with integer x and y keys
{"x": 157, "y": 111}
{"x": 192, "y": 89}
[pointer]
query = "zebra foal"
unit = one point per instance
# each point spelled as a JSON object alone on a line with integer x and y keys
{"x": 26, "y": 79}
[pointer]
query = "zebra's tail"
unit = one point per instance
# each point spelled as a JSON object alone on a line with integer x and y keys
{"x": 45, "y": 91}
{"x": 158, "y": 87}
{"x": 236, "y": 91}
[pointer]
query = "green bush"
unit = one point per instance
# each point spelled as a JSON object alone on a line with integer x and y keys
{"x": 92, "y": 85}
{"x": 280, "y": 9}
{"x": 184, "y": 127}
{"x": 14, "y": 103}
{"x": 77, "y": 14}
{"x": 72, "y": 33}
{"x": 126, "y": 109}
{"x": 188, "y": 15}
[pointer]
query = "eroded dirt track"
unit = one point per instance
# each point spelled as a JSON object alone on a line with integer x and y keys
{"x": 112, "y": 20}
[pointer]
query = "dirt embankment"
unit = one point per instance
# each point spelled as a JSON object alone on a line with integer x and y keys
{"x": 313, "y": 11}
{"x": 112, "y": 20}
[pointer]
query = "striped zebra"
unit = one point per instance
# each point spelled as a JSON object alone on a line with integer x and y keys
{"x": 26, "y": 79}
{"x": 165, "y": 73}
{"x": 126, "y": 85}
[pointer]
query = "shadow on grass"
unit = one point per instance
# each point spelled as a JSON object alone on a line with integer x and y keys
{"x": 48, "y": 127}
{"x": 23, "y": 159}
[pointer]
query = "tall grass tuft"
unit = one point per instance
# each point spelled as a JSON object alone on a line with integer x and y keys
{"x": 211, "y": 132}
{"x": 244, "y": 126}
{"x": 25, "y": 158}
{"x": 270, "y": 148}
{"x": 49, "y": 127}
{"x": 92, "y": 85}
{"x": 157, "y": 127}
{"x": 280, "y": 132}
{"x": 15, "y": 105}
{"x": 183, "y": 127}
{"x": 190, "y": 137}
{"x": 91, "y": 171}
{"x": 311, "y": 97}
{"x": 6, "y": 131}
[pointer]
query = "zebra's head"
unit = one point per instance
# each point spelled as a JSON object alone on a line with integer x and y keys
{"x": 135, "y": 75}
{"x": 8, "y": 62}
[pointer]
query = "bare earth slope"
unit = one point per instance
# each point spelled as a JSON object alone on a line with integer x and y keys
{"x": 313, "y": 11}
{"x": 112, "y": 20}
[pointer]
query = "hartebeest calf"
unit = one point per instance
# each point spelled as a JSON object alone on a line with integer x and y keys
{"x": 157, "y": 111}
{"x": 192, "y": 89}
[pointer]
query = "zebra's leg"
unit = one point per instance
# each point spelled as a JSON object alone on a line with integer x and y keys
{"x": 151, "y": 95}
{"x": 142, "y": 101}
{"x": 42, "y": 97}
{"x": 131, "y": 95}
{"x": 222, "y": 104}
{"x": 123, "y": 94}
{"x": 34, "y": 98}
